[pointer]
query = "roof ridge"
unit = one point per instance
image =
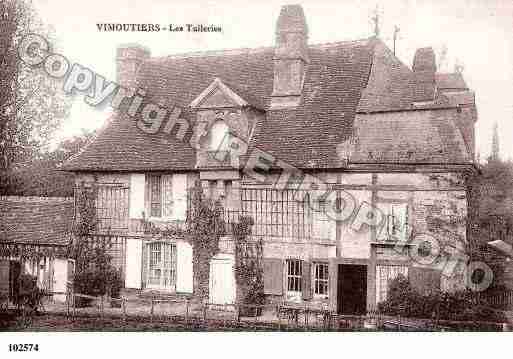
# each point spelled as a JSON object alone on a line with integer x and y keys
{"x": 248, "y": 50}
{"x": 36, "y": 199}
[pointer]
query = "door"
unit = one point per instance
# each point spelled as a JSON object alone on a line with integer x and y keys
{"x": 222, "y": 281}
{"x": 14, "y": 275}
{"x": 4, "y": 278}
{"x": 161, "y": 266}
{"x": 352, "y": 289}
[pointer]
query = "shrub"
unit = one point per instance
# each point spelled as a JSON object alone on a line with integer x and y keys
{"x": 96, "y": 276}
{"x": 403, "y": 300}
{"x": 29, "y": 295}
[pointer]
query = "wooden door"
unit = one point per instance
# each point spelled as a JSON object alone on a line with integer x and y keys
{"x": 4, "y": 278}
{"x": 352, "y": 289}
{"x": 222, "y": 281}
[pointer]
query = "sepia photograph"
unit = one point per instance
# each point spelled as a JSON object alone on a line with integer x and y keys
{"x": 248, "y": 167}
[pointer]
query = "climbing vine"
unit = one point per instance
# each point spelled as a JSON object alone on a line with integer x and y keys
{"x": 205, "y": 226}
{"x": 86, "y": 219}
{"x": 249, "y": 269}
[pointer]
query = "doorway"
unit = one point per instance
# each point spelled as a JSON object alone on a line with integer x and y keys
{"x": 222, "y": 280}
{"x": 14, "y": 282}
{"x": 352, "y": 289}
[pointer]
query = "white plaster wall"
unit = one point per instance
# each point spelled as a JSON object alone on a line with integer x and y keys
{"x": 184, "y": 271}
{"x": 356, "y": 244}
{"x": 60, "y": 278}
{"x": 133, "y": 263}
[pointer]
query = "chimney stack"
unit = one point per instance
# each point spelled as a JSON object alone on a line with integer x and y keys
{"x": 424, "y": 68}
{"x": 290, "y": 57}
{"x": 129, "y": 58}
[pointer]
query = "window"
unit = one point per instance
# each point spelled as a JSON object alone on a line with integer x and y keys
{"x": 162, "y": 202}
{"x": 396, "y": 221}
{"x": 155, "y": 196}
{"x": 294, "y": 275}
{"x": 384, "y": 275}
{"x": 161, "y": 265}
{"x": 218, "y": 132}
{"x": 321, "y": 279}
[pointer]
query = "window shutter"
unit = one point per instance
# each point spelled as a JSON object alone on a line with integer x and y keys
{"x": 134, "y": 251}
{"x": 137, "y": 197}
{"x": 144, "y": 264}
{"x": 184, "y": 276}
{"x": 424, "y": 280}
{"x": 167, "y": 195}
{"x": 180, "y": 196}
{"x": 307, "y": 281}
{"x": 273, "y": 276}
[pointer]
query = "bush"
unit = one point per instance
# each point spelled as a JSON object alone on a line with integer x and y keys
{"x": 404, "y": 301}
{"x": 96, "y": 276}
{"x": 29, "y": 295}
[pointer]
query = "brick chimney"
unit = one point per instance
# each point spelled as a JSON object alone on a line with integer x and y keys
{"x": 129, "y": 58}
{"x": 424, "y": 68}
{"x": 290, "y": 57}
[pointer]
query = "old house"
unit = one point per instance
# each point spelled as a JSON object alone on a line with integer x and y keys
{"x": 35, "y": 233}
{"x": 349, "y": 115}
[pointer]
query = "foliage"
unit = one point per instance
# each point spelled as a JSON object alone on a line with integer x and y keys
{"x": 403, "y": 300}
{"x": 86, "y": 219}
{"x": 491, "y": 213}
{"x": 205, "y": 226}
{"x": 32, "y": 104}
{"x": 29, "y": 296}
{"x": 95, "y": 275}
{"x": 249, "y": 272}
{"x": 41, "y": 175}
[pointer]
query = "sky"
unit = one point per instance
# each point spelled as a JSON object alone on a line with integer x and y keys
{"x": 477, "y": 34}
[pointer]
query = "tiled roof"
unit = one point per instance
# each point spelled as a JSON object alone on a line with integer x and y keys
{"x": 35, "y": 220}
{"x": 335, "y": 77}
{"x": 427, "y": 136}
{"x": 450, "y": 81}
{"x": 342, "y": 79}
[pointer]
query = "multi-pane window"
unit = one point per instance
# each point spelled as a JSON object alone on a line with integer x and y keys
{"x": 321, "y": 279}
{"x": 161, "y": 265}
{"x": 396, "y": 221}
{"x": 162, "y": 201}
{"x": 155, "y": 195}
{"x": 294, "y": 275}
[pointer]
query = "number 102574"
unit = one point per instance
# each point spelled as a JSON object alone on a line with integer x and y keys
{"x": 23, "y": 347}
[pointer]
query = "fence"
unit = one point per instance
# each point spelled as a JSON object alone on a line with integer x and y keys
{"x": 499, "y": 299}
{"x": 189, "y": 313}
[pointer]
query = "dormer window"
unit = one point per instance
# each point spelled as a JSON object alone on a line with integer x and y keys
{"x": 218, "y": 134}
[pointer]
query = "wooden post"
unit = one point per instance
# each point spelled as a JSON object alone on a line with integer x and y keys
{"x": 237, "y": 312}
{"x": 187, "y": 310}
{"x": 123, "y": 305}
{"x": 67, "y": 303}
{"x": 279, "y": 316}
{"x": 73, "y": 303}
{"x": 102, "y": 298}
{"x": 306, "y": 317}
{"x": 152, "y": 308}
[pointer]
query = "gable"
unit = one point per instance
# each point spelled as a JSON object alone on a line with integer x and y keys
{"x": 218, "y": 95}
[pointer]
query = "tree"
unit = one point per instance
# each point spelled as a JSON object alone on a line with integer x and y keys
{"x": 495, "y": 156}
{"x": 41, "y": 176}
{"x": 32, "y": 105}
